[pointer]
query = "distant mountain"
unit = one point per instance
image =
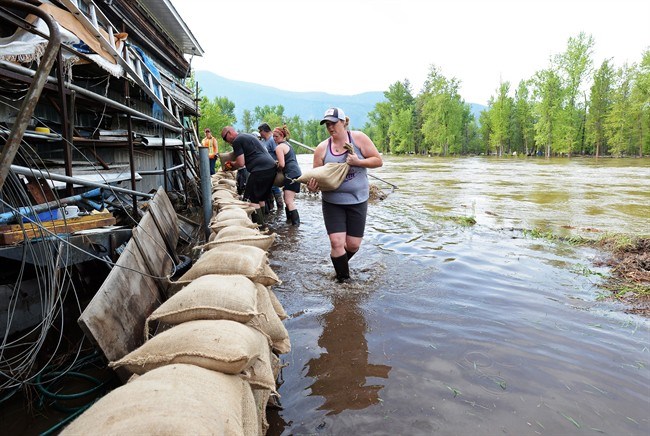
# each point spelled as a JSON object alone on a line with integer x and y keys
{"x": 307, "y": 105}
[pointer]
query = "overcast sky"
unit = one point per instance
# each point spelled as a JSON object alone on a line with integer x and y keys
{"x": 354, "y": 46}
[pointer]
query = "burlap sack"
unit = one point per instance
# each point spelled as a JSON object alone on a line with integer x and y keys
{"x": 223, "y": 194}
{"x": 229, "y": 214}
{"x": 233, "y": 259}
{"x": 277, "y": 305}
{"x": 329, "y": 176}
{"x": 239, "y": 222}
{"x": 228, "y": 182}
{"x": 269, "y": 322}
{"x": 244, "y": 206}
{"x": 225, "y": 157}
{"x": 255, "y": 240}
{"x": 174, "y": 400}
{"x": 211, "y": 296}
{"x": 220, "y": 345}
{"x": 261, "y": 397}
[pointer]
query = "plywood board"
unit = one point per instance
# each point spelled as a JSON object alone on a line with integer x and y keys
{"x": 114, "y": 319}
{"x": 153, "y": 249}
{"x": 165, "y": 217}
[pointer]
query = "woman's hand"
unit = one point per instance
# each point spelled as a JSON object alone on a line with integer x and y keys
{"x": 353, "y": 160}
{"x": 312, "y": 185}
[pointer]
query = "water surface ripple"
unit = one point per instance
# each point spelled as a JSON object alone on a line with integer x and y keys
{"x": 467, "y": 330}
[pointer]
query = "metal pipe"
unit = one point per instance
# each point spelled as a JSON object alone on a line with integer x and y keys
{"x": 154, "y": 172}
{"x": 34, "y": 92}
{"x": 32, "y": 210}
{"x": 112, "y": 103}
{"x": 60, "y": 178}
{"x": 205, "y": 189}
{"x": 313, "y": 150}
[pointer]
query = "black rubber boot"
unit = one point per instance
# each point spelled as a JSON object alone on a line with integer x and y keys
{"x": 295, "y": 217}
{"x": 278, "y": 200}
{"x": 286, "y": 210}
{"x": 350, "y": 253}
{"x": 258, "y": 217}
{"x": 341, "y": 267}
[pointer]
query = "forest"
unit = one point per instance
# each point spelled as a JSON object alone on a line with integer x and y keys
{"x": 570, "y": 108}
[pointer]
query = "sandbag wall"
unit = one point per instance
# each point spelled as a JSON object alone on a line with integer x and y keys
{"x": 210, "y": 361}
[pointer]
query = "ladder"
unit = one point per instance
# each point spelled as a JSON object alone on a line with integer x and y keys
{"x": 130, "y": 59}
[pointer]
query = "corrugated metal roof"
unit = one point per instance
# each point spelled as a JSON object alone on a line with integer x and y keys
{"x": 167, "y": 17}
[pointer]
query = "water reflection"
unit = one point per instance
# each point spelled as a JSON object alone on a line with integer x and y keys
{"x": 341, "y": 373}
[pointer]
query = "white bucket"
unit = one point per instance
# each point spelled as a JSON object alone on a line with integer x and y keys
{"x": 71, "y": 211}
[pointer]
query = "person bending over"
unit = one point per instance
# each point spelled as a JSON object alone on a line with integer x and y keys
{"x": 250, "y": 152}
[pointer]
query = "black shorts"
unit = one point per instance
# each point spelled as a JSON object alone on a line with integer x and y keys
{"x": 291, "y": 186}
{"x": 259, "y": 184}
{"x": 347, "y": 218}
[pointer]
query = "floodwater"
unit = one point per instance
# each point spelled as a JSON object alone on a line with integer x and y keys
{"x": 479, "y": 330}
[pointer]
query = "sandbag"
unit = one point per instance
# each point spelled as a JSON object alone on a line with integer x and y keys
{"x": 225, "y": 157}
{"x": 229, "y": 214}
{"x": 225, "y": 236}
{"x": 269, "y": 322}
{"x": 219, "y": 345}
{"x": 277, "y": 305}
{"x": 174, "y": 400}
{"x": 329, "y": 176}
{"x": 279, "y": 179}
{"x": 212, "y": 296}
{"x": 233, "y": 259}
{"x": 239, "y": 222}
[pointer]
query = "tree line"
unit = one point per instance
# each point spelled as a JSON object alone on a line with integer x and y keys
{"x": 569, "y": 108}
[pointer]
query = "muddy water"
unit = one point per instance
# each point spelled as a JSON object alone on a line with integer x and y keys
{"x": 467, "y": 330}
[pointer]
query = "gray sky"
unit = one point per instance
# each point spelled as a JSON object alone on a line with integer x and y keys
{"x": 354, "y": 46}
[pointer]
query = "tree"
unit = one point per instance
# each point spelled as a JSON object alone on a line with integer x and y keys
{"x": 500, "y": 114}
{"x": 600, "y": 102}
{"x": 548, "y": 107}
{"x": 641, "y": 103}
{"x": 523, "y": 121}
{"x": 216, "y": 114}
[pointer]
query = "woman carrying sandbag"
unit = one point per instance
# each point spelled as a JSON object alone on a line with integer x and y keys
{"x": 345, "y": 208}
{"x": 288, "y": 164}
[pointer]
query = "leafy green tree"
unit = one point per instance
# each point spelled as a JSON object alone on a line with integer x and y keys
{"x": 618, "y": 124}
{"x": 216, "y": 114}
{"x": 500, "y": 114}
{"x": 548, "y": 108}
{"x": 273, "y": 115}
{"x": 600, "y": 102}
{"x": 248, "y": 121}
{"x": 442, "y": 113}
{"x": 523, "y": 124}
{"x": 641, "y": 103}
{"x": 574, "y": 65}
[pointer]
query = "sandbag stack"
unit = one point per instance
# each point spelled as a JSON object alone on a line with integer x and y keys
{"x": 212, "y": 364}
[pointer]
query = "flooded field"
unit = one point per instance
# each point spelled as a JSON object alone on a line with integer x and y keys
{"x": 467, "y": 330}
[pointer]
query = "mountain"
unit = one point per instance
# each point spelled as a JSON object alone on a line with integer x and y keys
{"x": 307, "y": 105}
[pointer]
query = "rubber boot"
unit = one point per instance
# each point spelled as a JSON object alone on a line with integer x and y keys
{"x": 286, "y": 211}
{"x": 295, "y": 217}
{"x": 341, "y": 267}
{"x": 278, "y": 200}
{"x": 258, "y": 217}
{"x": 350, "y": 253}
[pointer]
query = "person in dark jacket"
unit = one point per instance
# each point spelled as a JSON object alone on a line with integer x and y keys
{"x": 250, "y": 153}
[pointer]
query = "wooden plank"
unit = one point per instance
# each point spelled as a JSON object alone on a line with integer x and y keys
{"x": 153, "y": 249}
{"x": 114, "y": 319}
{"x": 165, "y": 218}
{"x": 15, "y": 233}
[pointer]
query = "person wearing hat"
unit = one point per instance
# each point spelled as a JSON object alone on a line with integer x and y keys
{"x": 250, "y": 152}
{"x": 213, "y": 148}
{"x": 269, "y": 142}
{"x": 345, "y": 208}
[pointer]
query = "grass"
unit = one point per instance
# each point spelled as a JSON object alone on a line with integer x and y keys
{"x": 628, "y": 259}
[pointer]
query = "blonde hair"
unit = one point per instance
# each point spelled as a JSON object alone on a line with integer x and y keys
{"x": 284, "y": 131}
